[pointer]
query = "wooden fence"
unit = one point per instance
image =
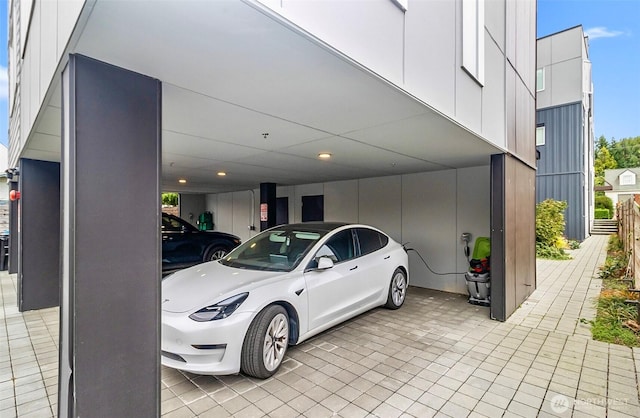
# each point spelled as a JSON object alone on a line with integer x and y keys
{"x": 629, "y": 234}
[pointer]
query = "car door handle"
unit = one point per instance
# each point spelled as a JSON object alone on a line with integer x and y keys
{"x": 353, "y": 268}
{"x": 387, "y": 257}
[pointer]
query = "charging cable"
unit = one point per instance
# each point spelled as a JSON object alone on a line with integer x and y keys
{"x": 426, "y": 264}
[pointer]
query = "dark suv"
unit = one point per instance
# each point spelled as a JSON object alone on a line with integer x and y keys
{"x": 183, "y": 245}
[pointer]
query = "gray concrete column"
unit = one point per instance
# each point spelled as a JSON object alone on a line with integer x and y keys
{"x": 110, "y": 301}
{"x": 38, "y": 233}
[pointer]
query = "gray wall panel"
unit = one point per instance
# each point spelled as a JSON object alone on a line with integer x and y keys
{"x": 561, "y": 173}
{"x": 569, "y": 188}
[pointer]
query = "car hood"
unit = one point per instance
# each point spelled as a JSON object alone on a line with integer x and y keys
{"x": 194, "y": 288}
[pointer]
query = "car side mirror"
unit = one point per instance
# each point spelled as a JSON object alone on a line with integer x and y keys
{"x": 325, "y": 263}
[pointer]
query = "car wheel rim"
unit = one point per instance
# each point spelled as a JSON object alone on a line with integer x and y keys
{"x": 217, "y": 255}
{"x": 275, "y": 342}
{"x": 399, "y": 288}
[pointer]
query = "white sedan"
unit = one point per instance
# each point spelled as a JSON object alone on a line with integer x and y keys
{"x": 280, "y": 288}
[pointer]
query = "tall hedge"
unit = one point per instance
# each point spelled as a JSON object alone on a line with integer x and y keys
{"x": 602, "y": 213}
{"x": 604, "y": 202}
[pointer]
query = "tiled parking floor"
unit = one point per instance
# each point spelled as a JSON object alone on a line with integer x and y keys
{"x": 437, "y": 356}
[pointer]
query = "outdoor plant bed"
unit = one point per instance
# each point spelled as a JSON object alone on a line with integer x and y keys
{"x": 616, "y": 319}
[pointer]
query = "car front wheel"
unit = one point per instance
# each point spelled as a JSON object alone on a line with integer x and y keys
{"x": 397, "y": 289}
{"x": 215, "y": 253}
{"x": 266, "y": 342}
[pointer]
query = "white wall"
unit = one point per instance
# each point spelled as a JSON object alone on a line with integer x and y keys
{"x": 562, "y": 56}
{"x": 420, "y": 50}
{"x": 429, "y": 211}
{"x": 191, "y": 206}
{"x": 49, "y": 31}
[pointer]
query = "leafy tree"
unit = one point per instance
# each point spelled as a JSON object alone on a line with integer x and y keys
{"x": 602, "y": 142}
{"x": 603, "y": 161}
{"x": 626, "y": 152}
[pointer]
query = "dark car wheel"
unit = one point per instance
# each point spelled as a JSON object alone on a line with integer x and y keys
{"x": 216, "y": 253}
{"x": 397, "y": 289}
{"x": 266, "y": 343}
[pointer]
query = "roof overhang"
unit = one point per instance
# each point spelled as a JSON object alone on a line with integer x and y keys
{"x": 234, "y": 71}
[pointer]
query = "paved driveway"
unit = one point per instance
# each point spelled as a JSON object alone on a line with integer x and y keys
{"x": 437, "y": 356}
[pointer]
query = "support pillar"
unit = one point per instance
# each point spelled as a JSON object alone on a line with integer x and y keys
{"x": 268, "y": 205}
{"x": 513, "y": 263}
{"x": 110, "y": 301}
{"x": 38, "y": 233}
{"x": 13, "y": 230}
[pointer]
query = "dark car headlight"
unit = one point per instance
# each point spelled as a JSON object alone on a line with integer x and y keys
{"x": 220, "y": 310}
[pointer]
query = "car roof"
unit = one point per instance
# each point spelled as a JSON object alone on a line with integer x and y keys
{"x": 315, "y": 226}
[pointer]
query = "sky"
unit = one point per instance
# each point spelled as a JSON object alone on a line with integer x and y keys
{"x": 613, "y": 27}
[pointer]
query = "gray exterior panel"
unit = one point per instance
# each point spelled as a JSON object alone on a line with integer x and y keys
{"x": 110, "y": 308}
{"x": 38, "y": 235}
{"x": 561, "y": 172}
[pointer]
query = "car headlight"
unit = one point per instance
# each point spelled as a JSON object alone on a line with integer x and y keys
{"x": 220, "y": 310}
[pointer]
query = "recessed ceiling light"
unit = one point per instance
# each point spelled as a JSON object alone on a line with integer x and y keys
{"x": 182, "y": 181}
{"x": 222, "y": 173}
{"x": 324, "y": 155}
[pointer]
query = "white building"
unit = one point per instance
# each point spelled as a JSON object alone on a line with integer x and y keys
{"x": 426, "y": 108}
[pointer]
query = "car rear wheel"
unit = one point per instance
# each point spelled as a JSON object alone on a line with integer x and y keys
{"x": 397, "y": 289}
{"x": 266, "y": 342}
{"x": 215, "y": 253}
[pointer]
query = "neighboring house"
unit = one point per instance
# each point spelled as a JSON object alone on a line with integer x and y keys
{"x": 564, "y": 127}
{"x": 424, "y": 113}
{"x": 623, "y": 182}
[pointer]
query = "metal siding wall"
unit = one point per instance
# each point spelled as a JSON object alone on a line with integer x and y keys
{"x": 563, "y": 150}
{"x": 561, "y": 174}
{"x": 567, "y": 187}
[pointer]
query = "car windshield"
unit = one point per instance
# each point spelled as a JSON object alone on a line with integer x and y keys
{"x": 279, "y": 249}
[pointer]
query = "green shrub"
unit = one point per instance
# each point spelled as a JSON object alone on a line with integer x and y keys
{"x": 603, "y": 202}
{"x": 550, "y": 228}
{"x": 602, "y": 213}
{"x": 170, "y": 199}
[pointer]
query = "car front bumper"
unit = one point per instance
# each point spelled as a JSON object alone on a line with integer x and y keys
{"x": 211, "y": 348}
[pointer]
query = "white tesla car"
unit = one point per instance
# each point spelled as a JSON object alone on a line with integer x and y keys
{"x": 280, "y": 288}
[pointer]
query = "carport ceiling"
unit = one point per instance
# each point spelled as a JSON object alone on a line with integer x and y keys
{"x": 232, "y": 72}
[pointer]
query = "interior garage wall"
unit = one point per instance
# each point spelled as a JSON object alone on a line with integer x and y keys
{"x": 232, "y": 212}
{"x": 191, "y": 206}
{"x": 429, "y": 211}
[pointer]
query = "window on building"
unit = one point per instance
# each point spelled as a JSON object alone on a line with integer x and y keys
{"x": 473, "y": 38}
{"x": 540, "y": 135}
{"x": 540, "y": 79}
{"x": 627, "y": 179}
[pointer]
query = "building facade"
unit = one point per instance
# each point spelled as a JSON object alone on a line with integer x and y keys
{"x": 426, "y": 108}
{"x": 564, "y": 127}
